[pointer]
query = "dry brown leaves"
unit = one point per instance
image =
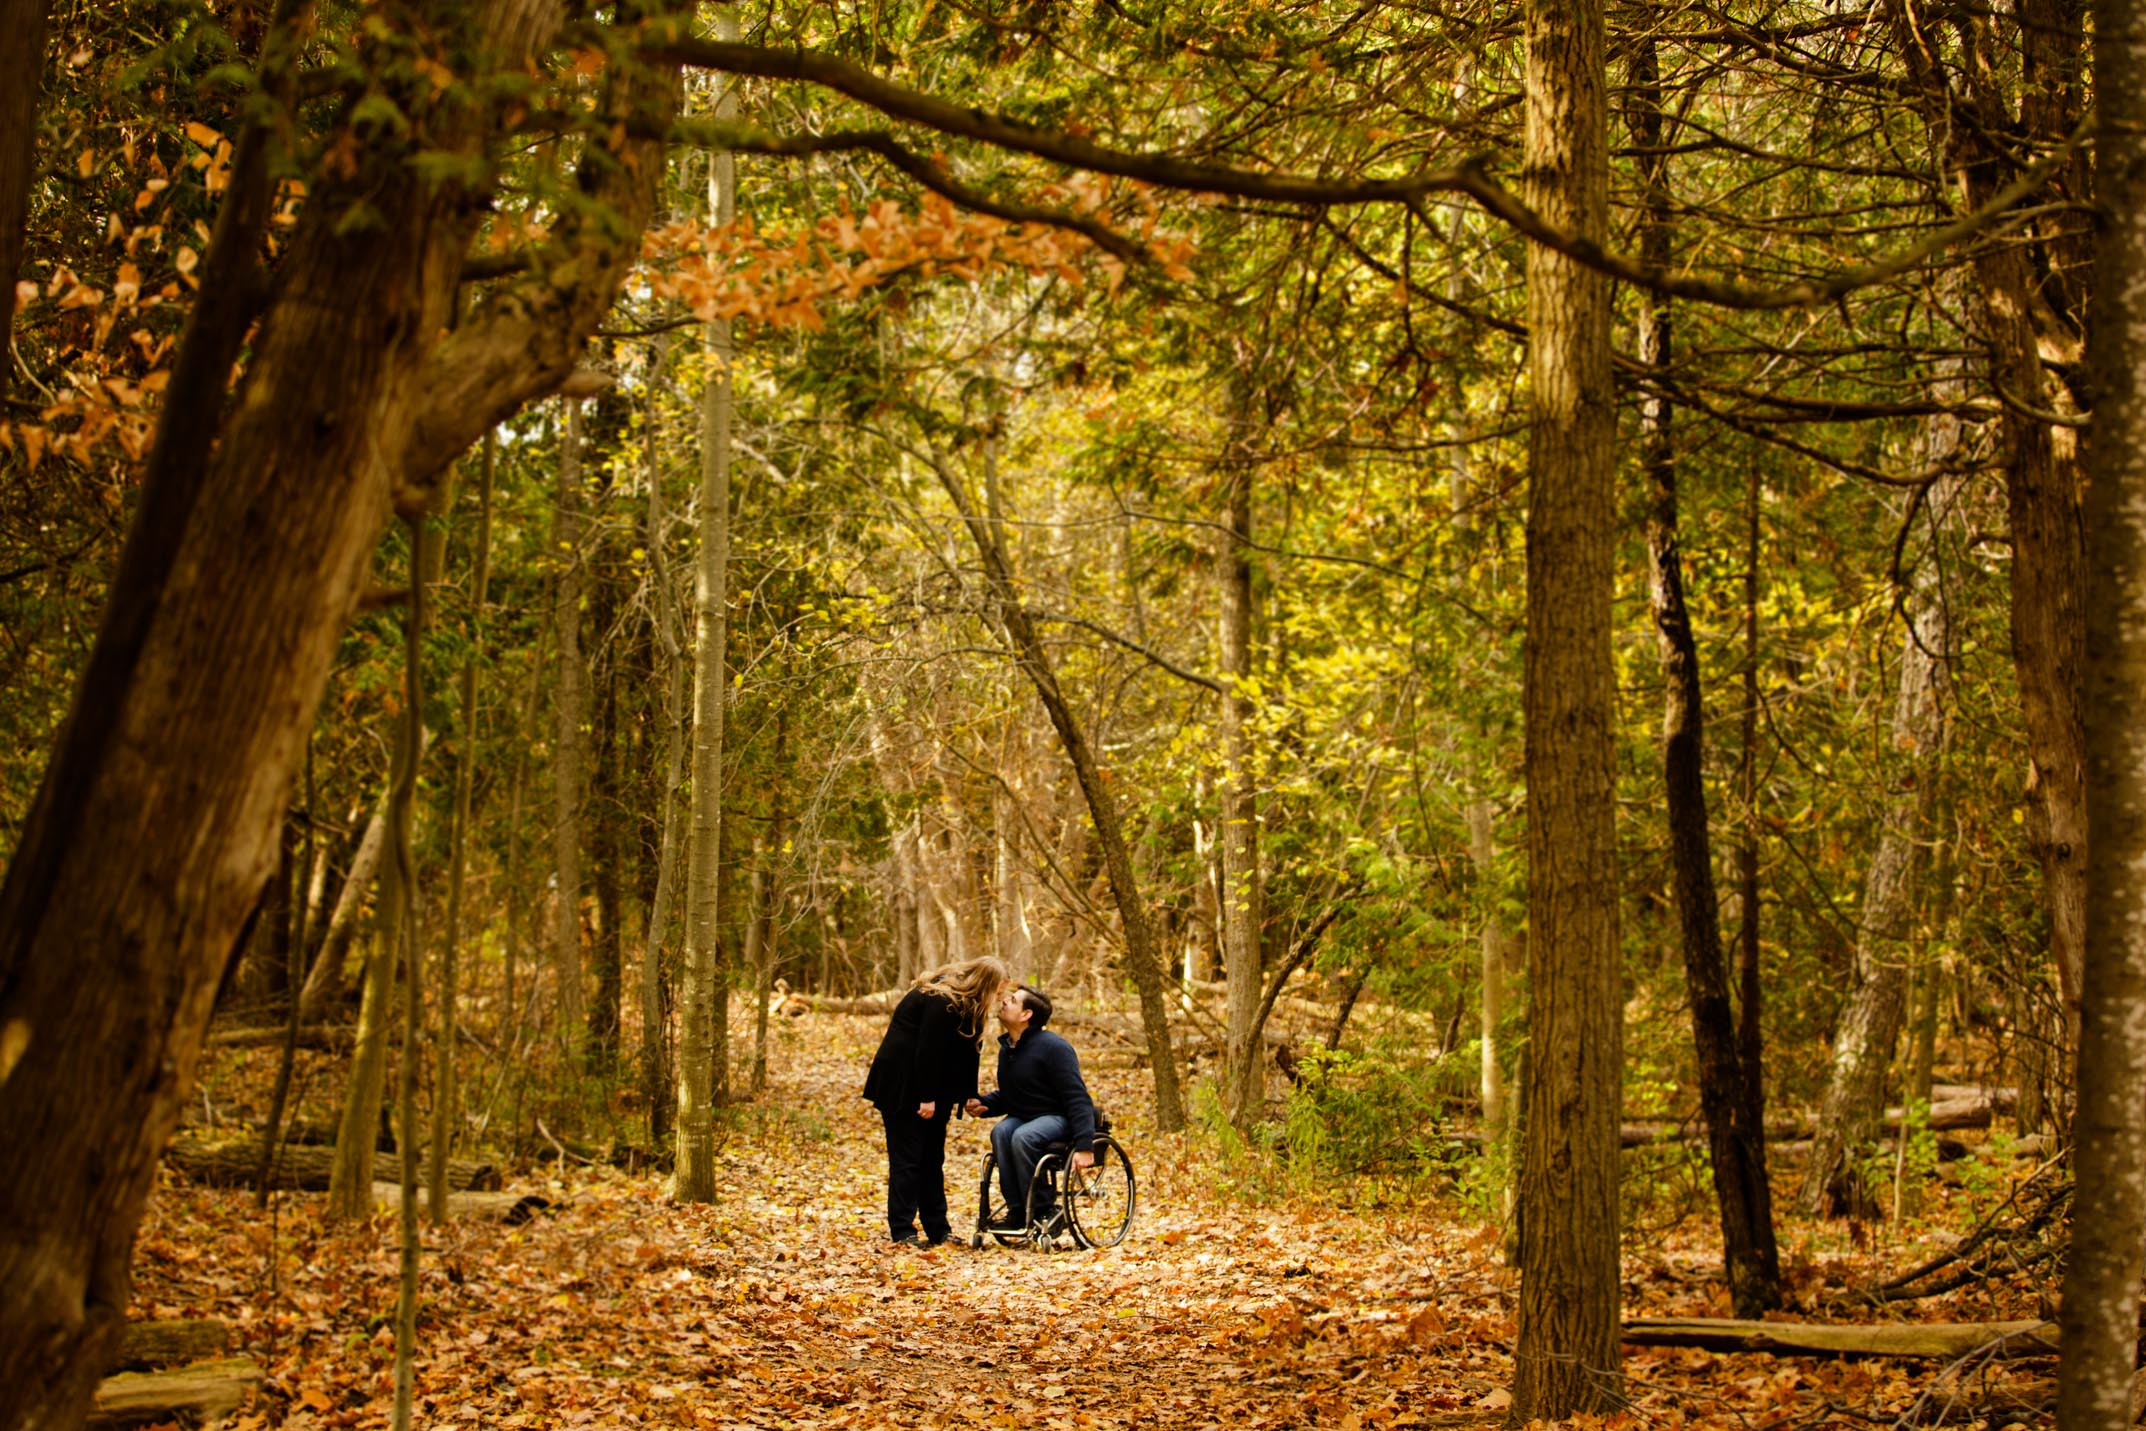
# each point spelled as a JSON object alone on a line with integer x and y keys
{"x": 780, "y": 1307}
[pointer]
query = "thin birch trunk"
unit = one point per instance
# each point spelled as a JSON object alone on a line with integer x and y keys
{"x": 407, "y": 1139}
{"x": 444, "y": 1087}
{"x": 703, "y": 989}
{"x": 1243, "y": 1084}
{"x": 655, "y": 1070}
{"x": 325, "y": 978}
{"x": 569, "y": 755}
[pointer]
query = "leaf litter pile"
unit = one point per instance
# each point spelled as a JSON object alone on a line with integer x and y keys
{"x": 781, "y": 1305}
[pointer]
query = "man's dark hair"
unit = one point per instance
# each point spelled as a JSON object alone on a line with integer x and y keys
{"x": 1039, "y": 1002}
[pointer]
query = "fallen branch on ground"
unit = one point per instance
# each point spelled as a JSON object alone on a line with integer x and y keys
{"x": 1946, "y": 1340}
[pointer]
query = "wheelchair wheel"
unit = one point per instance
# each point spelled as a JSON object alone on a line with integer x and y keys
{"x": 1045, "y": 1204}
{"x": 991, "y": 1207}
{"x": 1099, "y": 1201}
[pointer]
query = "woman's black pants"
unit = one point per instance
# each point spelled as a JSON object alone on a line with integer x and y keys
{"x": 916, "y": 1174}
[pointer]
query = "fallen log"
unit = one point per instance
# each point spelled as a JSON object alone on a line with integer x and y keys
{"x": 166, "y": 1343}
{"x": 329, "y": 1038}
{"x": 205, "y": 1393}
{"x": 1947, "y": 1341}
{"x": 236, "y": 1162}
{"x": 510, "y": 1208}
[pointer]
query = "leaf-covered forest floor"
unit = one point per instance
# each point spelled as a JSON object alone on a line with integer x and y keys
{"x": 779, "y": 1306}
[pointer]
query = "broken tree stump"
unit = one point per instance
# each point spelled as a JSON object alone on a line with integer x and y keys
{"x": 236, "y": 1162}
{"x": 205, "y": 1393}
{"x": 1946, "y": 1341}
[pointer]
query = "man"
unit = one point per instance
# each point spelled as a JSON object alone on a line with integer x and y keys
{"x": 1040, "y": 1099}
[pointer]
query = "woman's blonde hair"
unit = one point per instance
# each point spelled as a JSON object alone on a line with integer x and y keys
{"x": 972, "y": 987}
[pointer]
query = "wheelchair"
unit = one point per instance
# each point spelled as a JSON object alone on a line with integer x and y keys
{"x": 1094, "y": 1204}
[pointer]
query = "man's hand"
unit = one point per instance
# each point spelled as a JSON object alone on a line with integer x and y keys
{"x": 975, "y": 1108}
{"x": 925, "y": 1110}
{"x": 1084, "y": 1159}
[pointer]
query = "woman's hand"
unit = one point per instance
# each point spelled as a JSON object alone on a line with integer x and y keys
{"x": 925, "y": 1110}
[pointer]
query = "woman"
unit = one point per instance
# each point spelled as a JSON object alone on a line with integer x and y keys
{"x": 924, "y": 1070}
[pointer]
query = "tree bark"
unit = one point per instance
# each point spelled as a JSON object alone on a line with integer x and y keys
{"x": 408, "y": 1141}
{"x": 156, "y": 821}
{"x": 1566, "y": 1360}
{"x": 2041, "y": 462}
{"x": 22, "y": 65}
{"x": 325, "y": 979}
{"x": 444, "y": 1089}
{"x": 1736, "y": 1147}
{"x": 2108, "y": 1244}
{"x": 699, "y": 1052}
{"x": 655, "y": 1061}
{"x": 569, "y": 749}
{"x": 1243, "y": 1075}
{"x": 1141, "y": 957}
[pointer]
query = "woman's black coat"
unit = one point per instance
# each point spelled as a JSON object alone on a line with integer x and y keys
{"x": 926, "y": 1057}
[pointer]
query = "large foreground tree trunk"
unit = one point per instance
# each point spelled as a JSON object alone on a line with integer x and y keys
{"x": 1567, "y": 1358}
{"x": 156, "y": 823}
{"x": 2101, "y": 1284}
{"x": 1735, "y": 1144}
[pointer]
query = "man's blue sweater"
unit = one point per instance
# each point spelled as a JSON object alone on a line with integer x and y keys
{"x": 1040, "y": 1076}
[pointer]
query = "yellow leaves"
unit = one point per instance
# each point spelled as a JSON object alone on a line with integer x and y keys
{"x": 203, "y": 135}
{"x": 86, "y": 163}
{"x": 185, "y": 260}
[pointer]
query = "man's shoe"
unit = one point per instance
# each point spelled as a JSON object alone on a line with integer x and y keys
{"x": 1007, "y": 1225}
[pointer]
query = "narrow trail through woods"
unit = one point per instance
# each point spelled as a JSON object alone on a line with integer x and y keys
{"x": 782, "y": 1306}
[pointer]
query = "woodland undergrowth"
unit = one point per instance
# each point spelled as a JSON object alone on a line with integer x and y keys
{"x": 1244, "y": 1298}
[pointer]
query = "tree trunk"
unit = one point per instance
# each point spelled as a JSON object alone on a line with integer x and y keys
{"x": 1144, "y": 963}
{"x": 156, "y": 822}
{"x": 569, "y": 749}
{"x": 325, "y": 980}
{"x": 350, "y": 1195}
{"x": 408, "y": 1143}
{"x": 22, "y": 66}
{"x": 2108, "y": 1244}
{"x": 2041, "y": 466}
{"x": 699, "y": 1052}
{"x": 1870, "y": 1022}
{"x": 444, "y": 1089}
{"x": 1749, "y": 1035}
{"x": 1736, "y": 1147}
{"x": 1243, "y": 1076}
{"x": 1481, "y": 854}
{"x": 1010, "y": 884}
{"x": 655, "y": 1063}
{"x": 1566, "y": 1360}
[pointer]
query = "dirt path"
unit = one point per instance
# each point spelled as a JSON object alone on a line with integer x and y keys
{"x": 781, "y": 1307}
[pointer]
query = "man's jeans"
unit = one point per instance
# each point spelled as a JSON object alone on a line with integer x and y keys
{"x": 1019, "y": 1143}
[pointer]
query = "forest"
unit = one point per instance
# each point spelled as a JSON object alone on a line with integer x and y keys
{"x": 1528, "y": 615}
